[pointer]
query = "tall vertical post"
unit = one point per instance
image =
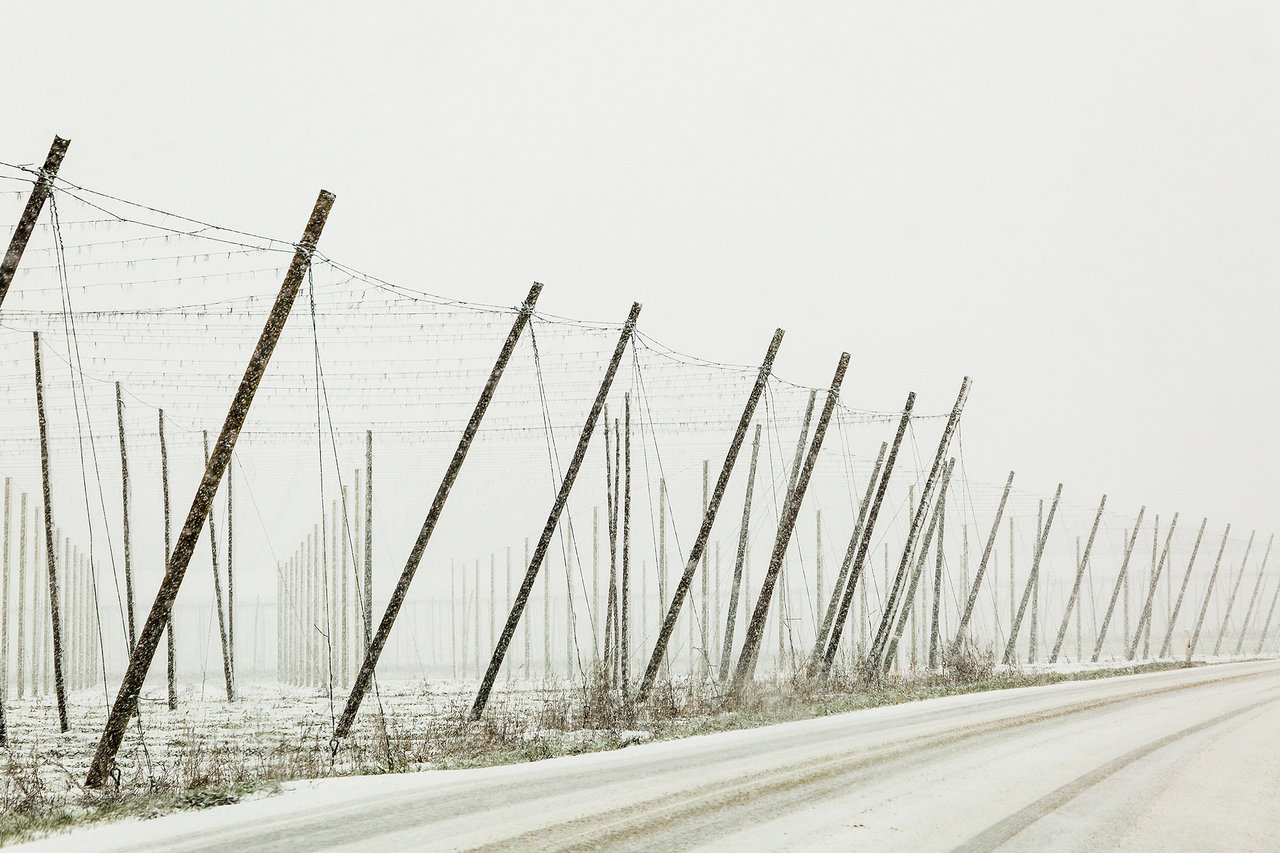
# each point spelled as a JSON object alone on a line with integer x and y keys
{"x": 4, "y": 614}
{"x": 368, "y": 539}
{"x": 172, "y": 675}
{"x": 1262, "y": 570}
{"x": 735, "y": 590}
{"x": 937, "y": 574}
{"x": 624, "y": 621}
{"x": 22, "y": 595}
{"x": 1235, "y": 589}
{"x": 562, "y": 497}
{"x": 1182, "y": 591}
{"x": 140, "y": 660}
{"x": 124, "y": 511}
{"x": 1144, "y": 620}
{"x": 662, "y": 560}
{"x": 745, "y": 671}
{"x": 1011, "y": 648}
{"x": 1081, "y": 562}
{"x": 1208, "y": 593}
{"x": 30, "y": 213}
{"x": 982, "y": 568}
{"x": 860, "y": 560}
{"x": 50, "y": 550}
{"x": 907, "y": 611}
{"x": 231, "y": 581}
{"x": 217, "y": 588}
{"x": 708, "y": 519}
{"x": 783, "y": 617}
{"x": 1033, "y": 643}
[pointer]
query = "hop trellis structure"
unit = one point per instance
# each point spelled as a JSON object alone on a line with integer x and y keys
{"x": 356, "y": 423}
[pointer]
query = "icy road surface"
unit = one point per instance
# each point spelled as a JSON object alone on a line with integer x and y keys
{"x": 1181, "y": 760}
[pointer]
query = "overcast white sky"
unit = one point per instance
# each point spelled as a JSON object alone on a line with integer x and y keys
{"x": 1075, "y": 204}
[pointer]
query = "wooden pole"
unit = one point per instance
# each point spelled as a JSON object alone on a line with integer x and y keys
{"x": 562, "y": 497}
{"x": 172, "y": 676}
{"x": 783, "y": 616}
{"x": 54, "y": 610}
{"x": 708, "y": 519}
{"x": 624, "y": 645}
{"x": 140, "y": 660}
{"x": 1011, "y": 647}
{"x": 745, "y": 671}
{"x": 705, "y": 661}
{"x": 1081, "y": 562}
{"x": 982, "y": 569}
{"x": 124, "y": 511}
{"x": 855, "y": 573}
{"x": 926, "y": 497}
{"x": 816, "y": 657}
{"x": 22, "y": 595}
{"x": 27, "y": 223}
{"x": 217, "y": 587}
{"x": 1208, "y": 593}
{"x": 1235, "y": 589}
{"x": 735, "y": 590}
{"x": 1165, "y": 646}
{"x": 907, "y": 611}
{"x": 937, "y": 575}
{"x": 1253, "y": 598}
{"x": 365, "y": 675}
{"x": 1121, "y": 581}
{"x": 231, "y": 578}
{"x": 4, "y": 616}
{"x": 1144, "y": 621}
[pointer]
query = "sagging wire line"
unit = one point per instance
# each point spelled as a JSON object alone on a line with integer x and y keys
{"x": 69, "y": 332}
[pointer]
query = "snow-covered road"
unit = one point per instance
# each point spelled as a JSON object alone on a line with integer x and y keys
{"x": 1180, "y": 760}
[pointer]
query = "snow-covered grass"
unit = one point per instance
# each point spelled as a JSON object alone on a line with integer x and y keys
{"x": 210, "y": 751}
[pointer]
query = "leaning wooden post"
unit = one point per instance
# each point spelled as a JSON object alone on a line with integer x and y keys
{"x": 50, "y": 549}
{"x": 1121, "y": 583}
{"x": 1208, "y": 593}
{"x": 1235, "y": 589}
{"x": 1144, "y": 621}
{"x": 1182, "y": 591}
{"x": 783, "y": 618}
{"x": 745, "y": 671}
{"x": 172, "y": 649}
{"x": 917, "y": 521}
{"x": 549, "y": 529}
{"x": 937, "y": 574}
{"x": 982, "y": 569}
{"x": 140, "y": 660}
{"x": 909, "y": 591}
{"x": 217, "y": 588}
{"x": 35, "y": 203}
{"x": 376, "y": 643}
{"x": 1253, "y": 598}
{"x": 708, "y": 519}
{"x": 726, "y": 648}
{"x": 1011, "y": 647}
{"x": 1266, "y": 626}
{"x": 833, "y": 643}
{"x": 124, "y": 510}
{"x": 837, "y": 589}
{"x": 1075, "y": 589}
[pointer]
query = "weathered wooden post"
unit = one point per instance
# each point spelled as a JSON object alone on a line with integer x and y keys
{"x": 1010, "y": 649}
{"x": 27, "y": 223}
{"x": 937, "y": 574}
{"x": 906, "y": 612}
{"x": 708, "y": 519}
{"x": 859, "y": 561}
{"x": 1244, "y": 628}
{"x": 124, "y": 511}
{"x": 987, "y": 554}
{"x": 745, "y": 671}
{"x": 22, "y": 595}
{"x": 624, "y": 620}
{"x": 838, "y": 588}
{"x": 1081, "y": 562}
{"x": 172, "y": 675}
{"x": 1235, "y": 589}
{"x": 562, "y": 497}
{"x": 917, "y": 521}
{"x": 1144, "y": 620}
{"x": 140, "y": 660}
{"x": 726, "y": 649}
{"x": 217, "y": 587}
{"x": 50, "y": 550}
{"x": 1182, "y": 591}
{"x": 1208, "y": 593}
{"x": 231, "y": 582}
{"x": 1121, "y": 580}
{"x": 4, "y": 616}
{"x": 368, "y": 540}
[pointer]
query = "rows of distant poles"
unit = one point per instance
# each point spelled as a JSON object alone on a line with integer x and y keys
{"x": 318, "y": 578}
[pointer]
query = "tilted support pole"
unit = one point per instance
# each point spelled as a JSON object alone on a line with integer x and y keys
{"x": 745, "y": 670}
{"x": 1115, "y": 593}
{"x": 1182, "y": 591}
{"x": 379, "y": 640}
{"x": 1012, "y": 645}
{"x": 35, "y": 204}
{"x": 708, "y": 519}
{"x": 1151, "y": 590}
{"x": 726, "y": 648}
{"x": 1075, "y": 589}
{"x": 553, "y": 519}
{"x": 1253, "y": 599}
{"x": 1235, "y": 590}
{"x": 140, "y": 660}
{"x": 982, "y": 569}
